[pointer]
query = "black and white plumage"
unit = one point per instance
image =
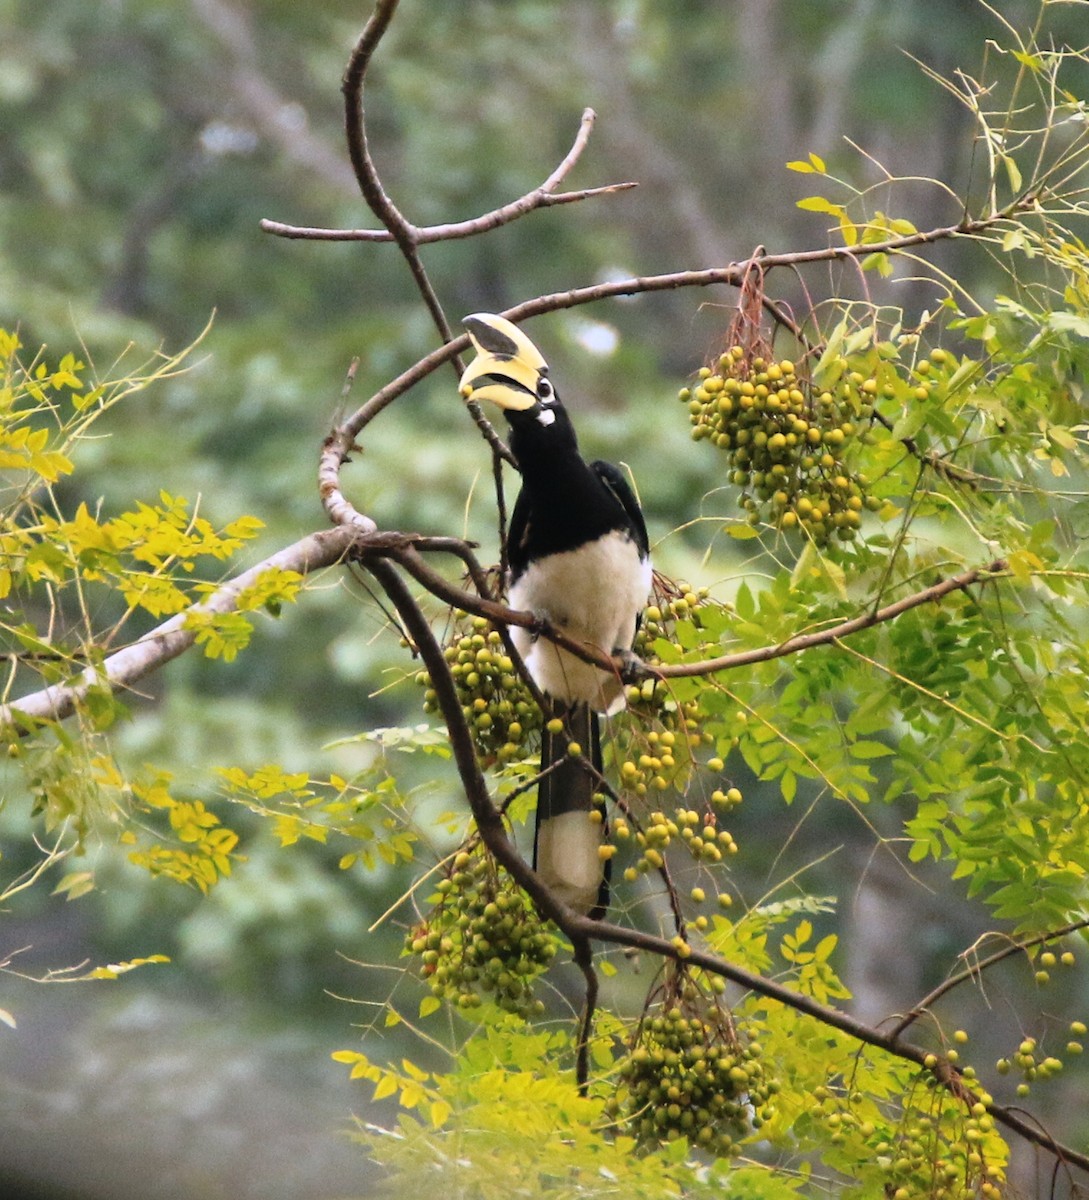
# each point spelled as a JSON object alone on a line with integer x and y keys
{"x": 579, "y": 557}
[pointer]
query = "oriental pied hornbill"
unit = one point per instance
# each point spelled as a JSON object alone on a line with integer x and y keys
{"x": 579, "y": 557}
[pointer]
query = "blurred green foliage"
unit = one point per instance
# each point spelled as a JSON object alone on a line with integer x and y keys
{"x": 144, "y": 142}
{"x": 142, "y": 145}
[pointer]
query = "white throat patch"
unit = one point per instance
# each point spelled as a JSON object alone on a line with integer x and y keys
{"x": 546, "y": 416}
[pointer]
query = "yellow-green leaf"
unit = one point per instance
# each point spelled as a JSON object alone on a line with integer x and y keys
{"x": 1013, "y": 172}
{"x": 819, "y": 204}
{"x": 75, "y": 884}
{"x": 348, "y": 1056}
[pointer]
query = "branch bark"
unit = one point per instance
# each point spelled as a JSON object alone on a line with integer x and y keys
{"x": 582, "y": 930}
{"x": 173, "y": 637}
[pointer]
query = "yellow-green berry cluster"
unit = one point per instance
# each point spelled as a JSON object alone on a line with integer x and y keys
{"x": 496, "y": 702}
{"x": 654, "y": 748}
{"x": 1034, "y": 1067}
{"x": 698, "y": 832}
{"x": 483, "y": 939}
{"x": 938, "y": 1151}
{"x": 787, "y": 442}
{"x": 689, "y": 1075}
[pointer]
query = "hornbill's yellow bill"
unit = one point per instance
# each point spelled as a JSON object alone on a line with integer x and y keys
{"x": 508, "y": 367}
{"x": 579, "y": 557}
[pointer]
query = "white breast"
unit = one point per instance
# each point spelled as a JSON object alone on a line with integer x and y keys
{"x": 594, "y": 594}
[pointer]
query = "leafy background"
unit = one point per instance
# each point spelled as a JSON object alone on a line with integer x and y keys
{"x": 142, "y": 144}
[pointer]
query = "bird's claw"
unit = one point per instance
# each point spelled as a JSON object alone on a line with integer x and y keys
{"x": 632, "y": 667}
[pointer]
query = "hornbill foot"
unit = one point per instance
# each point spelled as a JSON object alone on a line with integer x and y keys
{"x": 632, "y": 667}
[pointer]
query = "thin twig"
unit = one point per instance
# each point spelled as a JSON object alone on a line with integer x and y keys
{"x": 976, "y": 970}
{"x": 805, "y": 641}
{"x": 452, "y": 230}
{"x": 407, "y": 553}
{"x": 730, "y": 275}
{"x": 585, "y": 963}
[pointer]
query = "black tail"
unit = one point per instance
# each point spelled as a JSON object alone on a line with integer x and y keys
{"x": 566, "y": 842}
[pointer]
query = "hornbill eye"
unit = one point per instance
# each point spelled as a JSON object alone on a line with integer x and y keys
{"x": 544, "y": 391}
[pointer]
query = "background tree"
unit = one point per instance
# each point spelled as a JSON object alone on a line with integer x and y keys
{"x": 949, "y": 405}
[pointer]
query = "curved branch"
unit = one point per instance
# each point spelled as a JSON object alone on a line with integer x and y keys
{"x": 340, "y": 442}
{"x": 489, "y": 820}
{"x": 355, "y": 128}
{"x": 834, "y": 633}
{"x": 942, "y": 1070}
{"x": 544, "y": 196}
{"x": 581, "y": 930}
{"x": 402, "y": 231}
{"x": 173, "y": 637}
{"x": 409, "y": 557}
{"x": 731, "y": 274}
{"x": 975, "y": 971}
{"x": 452, "y": 230}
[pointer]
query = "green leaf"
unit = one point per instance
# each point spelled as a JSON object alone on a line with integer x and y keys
{"x": 744, "y": 602}
{"x": 788, "y": 785}
{"x": 869, "y": 750}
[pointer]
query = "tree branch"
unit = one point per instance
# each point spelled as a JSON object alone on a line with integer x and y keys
{"x": 581, "y": 930}
{"x": 942, "y": 1070}
{"x": 173, "y": 637}
{"x": 407, "y": 553}
{"x": 452, "y": 230}
{"x": 975, "y": 971}
{"x": 732, "y": 274}
{"x": 488, "y": 819}
{"x": 805, "y": 641}
{"x": 402, "y": 231}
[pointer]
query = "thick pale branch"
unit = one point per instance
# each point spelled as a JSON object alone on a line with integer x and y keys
{"x": 173, "y": 637}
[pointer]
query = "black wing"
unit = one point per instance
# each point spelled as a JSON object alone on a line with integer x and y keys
{"x": 614, "y": 480}
{"x": 518, "y": 537}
